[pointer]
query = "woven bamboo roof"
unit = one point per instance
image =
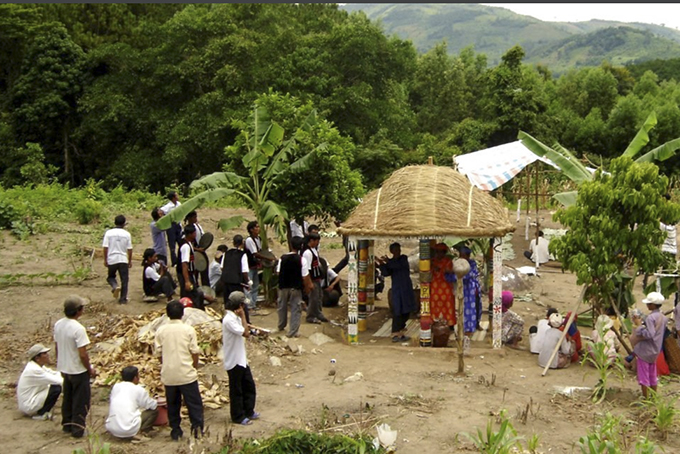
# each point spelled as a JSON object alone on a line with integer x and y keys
{"x": 428, "y": 201}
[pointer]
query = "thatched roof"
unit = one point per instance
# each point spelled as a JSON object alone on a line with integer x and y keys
{"x": 427, "y": 201}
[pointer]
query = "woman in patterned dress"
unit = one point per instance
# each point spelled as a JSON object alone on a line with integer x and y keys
{"x": 442, "y": 303}
{"x": 471, "y": 294}
{"x": 513, "y": 324}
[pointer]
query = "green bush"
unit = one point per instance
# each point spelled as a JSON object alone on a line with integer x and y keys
{"x": 7, "y": 214}
{"x": 88, "y": 210}
{"x": 290, "y": 441}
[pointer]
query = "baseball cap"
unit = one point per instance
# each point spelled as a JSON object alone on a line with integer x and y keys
{"x": 73, "y": 302}
{"x": 237, "y": 297}
{"x": 654, "y": 298}
{"x": 36, "y": 350}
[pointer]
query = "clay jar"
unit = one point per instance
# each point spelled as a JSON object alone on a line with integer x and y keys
{"x": 440, "y": 334}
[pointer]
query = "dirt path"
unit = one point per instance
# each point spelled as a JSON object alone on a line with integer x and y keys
{"x": 413, "y": 389}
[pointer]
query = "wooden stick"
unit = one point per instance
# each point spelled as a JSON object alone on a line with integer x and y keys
{"x": 618, "y": 335}
{"x": 564, "y": 333}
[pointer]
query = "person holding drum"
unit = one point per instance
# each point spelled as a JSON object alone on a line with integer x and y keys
{"x": 200, "y": 244}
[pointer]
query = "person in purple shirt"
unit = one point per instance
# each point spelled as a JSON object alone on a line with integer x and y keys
{"x": 158, "y": 237}
{"x": 647, "y": 339}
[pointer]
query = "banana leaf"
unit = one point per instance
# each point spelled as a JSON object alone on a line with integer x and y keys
{"x": 559, "y": 155}
{"x": 178, "y": 214}
{"x": 566, "y": 198}
{"x": 641, "y": 138}
{"x": 661, "y": 153}
{"x": 218, "y": 180}
{"x": 231, "y": 223}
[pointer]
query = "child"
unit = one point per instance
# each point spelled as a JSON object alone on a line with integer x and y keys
{"x": 647, "y": 339}
{"x": 241, "y": 384}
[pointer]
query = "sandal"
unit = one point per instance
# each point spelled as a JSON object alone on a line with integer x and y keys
{"x": 395, "y": 339}
{"x": 255, "y": 415}
{"x": 246, "y": 422}
{"x": 404, "y": 338}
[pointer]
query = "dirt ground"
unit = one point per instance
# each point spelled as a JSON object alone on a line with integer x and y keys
{"x": 414, "y": 390}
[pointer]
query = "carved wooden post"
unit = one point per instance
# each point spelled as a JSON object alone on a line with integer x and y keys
{"x": 352, "y": 283}
{"x": 461, "y": 267}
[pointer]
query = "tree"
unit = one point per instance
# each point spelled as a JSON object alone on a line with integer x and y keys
{"x": 614, "y": 226}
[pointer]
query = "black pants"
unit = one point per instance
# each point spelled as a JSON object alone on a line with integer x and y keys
{"x": 194, "y": 403}
{"x": 527, "y": 254}
{"x": 173, "y": 233}
{"x": 76, "y": 403}
{"x": 52, "y": 396}
{"x": 341, "y": 264}
{"x": 194, "y": 295}
{"x": 122, "y": 270}
{"x": 399, "y": 322}
{"x": 241, "y": 393}
{"x": 228, "y": 288}
{"x": 165, "y": 285}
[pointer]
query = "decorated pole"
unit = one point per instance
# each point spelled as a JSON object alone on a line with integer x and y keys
{"x": 362, "y": 283}
{"x": 370, "y": 278}
{"x": 497, "y": 292}
{"x": 352, "y": 284}
{"x": 425, "y": 279}
{"x": 461, "y": 267}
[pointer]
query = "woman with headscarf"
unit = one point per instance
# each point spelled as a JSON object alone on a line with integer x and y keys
{"x": 513, "y": 324}
{"x": 442, "y": 302}
{"x": 603, "y": 333}
{"x": 471, "y": 294}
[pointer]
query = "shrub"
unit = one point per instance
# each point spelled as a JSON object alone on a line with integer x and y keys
{"x": 88, "y": 210}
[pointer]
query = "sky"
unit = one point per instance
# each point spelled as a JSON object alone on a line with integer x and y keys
{"x": 651, "y": 13}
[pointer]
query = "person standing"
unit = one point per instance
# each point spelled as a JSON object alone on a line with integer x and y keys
{"x": 186, "y": 273}
{"x": 471, "y": 294}
{"x": 311, "y": 256}
{"x": 442, "y": 300}
{"x": 73, "y": 361}
{"x": 175, "y": 231}
{"x": 215, "y": 268}
{"x": 647, "y": 340}
{"x": 253, "y": 248}
{"x": 242, "y": 393}
{"x": 177, "y": 345}
{"x": 293, "y": 271}
{"x": 403, "y": 300}
{"x": 131, "y": 409}
{"x": 158, "y": 237}
{"x": 38, "y": 387}
{"x": 118, "y": 258}
{"x": 192, "y": 219}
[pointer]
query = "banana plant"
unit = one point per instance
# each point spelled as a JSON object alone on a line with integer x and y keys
{"x": 578, "y": 173}
{"x": 266, "y": 157}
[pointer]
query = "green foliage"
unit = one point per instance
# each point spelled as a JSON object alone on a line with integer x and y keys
{"x": 611, "y": 436}
{"x": 663, "y": 412}
{"x": 614, "y": 224}
{"x": 503, "y": 441}
{"x": 291, "y": 441}
{"x": 597, "y": 356}
{"x": 87, "y": 211}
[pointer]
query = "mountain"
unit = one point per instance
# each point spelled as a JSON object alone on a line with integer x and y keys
{"x": 492, "y": 31}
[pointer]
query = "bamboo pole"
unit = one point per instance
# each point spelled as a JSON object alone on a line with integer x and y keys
{"x": 564, "y": 333}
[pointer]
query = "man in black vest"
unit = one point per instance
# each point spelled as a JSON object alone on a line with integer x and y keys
{"x": 186, "y": 271}
{"x": 294, "y": 278}
{"x": 235, "y": 270}
{"x": 311, "y": 255}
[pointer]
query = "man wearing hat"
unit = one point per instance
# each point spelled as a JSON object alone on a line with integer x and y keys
{"x": 552, "y": 337}
{"x": 38, "y": 387}
{"x": 647, "y": 340}
{"x": 215, "y": 269}
{"x": 73, "y": 362}
{"x": 118, "y": 257}
{"x": 241, "y": 384}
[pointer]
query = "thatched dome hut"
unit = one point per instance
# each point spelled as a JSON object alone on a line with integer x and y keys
{"x": 427, "y": 201}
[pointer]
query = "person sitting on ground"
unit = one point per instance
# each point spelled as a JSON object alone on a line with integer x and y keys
{"x": 539, "y": 249}
{"x": 647, "y": 340}
{"x": 403, "y": 301}
{"x": 131, "y": 409}
{"x": 513, "y": 325}
{"x": 155, "y": 278}
{"x": 242, "y": 392}
{"x": 562, "y": 359}
{"x": 215, "y": 269}
{"x": 542, "y": 327}
{"x": 575, "y": 336}
{"x": 603, "y": 326}
{"x": 330, "y": 286}
{"x": 38, "y": 387}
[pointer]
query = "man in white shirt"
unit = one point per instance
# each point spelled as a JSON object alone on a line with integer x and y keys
{"x": 175, "y": 231}
{"x": 563, "y": 357}
{"x": 311, "y": 256}
{"x": 253, "y": 248}
{"x": 187, "y": 274}
{"x": 242, "y": 392}
{"x": 177, "y": 345}
{"x": 542, "y": 327}
{"x": 73, "y": 362}
{"x": 215, "y": 268}
{"x": 539, "y": 249}
{"x": 293, "y": 271}
{"x": 131, "y": 408}
{"x": 118, "y": 258}
{"x": 38, "y": 387}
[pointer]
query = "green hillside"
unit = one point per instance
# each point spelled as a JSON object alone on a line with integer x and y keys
{"x": 493, "y": 31}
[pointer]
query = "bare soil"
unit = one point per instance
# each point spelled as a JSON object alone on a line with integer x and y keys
{"x": 415, "y": 390}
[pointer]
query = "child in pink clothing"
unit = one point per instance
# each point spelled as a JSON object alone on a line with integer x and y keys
{"x": 647, "y": 339}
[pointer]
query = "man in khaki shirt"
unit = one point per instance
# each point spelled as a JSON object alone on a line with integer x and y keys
{"x": 177, "y": 345}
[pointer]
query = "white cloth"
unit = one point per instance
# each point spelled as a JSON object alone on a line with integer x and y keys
{"x": 297, "y": 230}
{"x": 303, "y": 261}
{"x": 253, "y": 245}
{"x": 552, "y": 337}
{"x": 152, "y": 272}
{"x": 185, "y": 252}
{"x": 69, "y": 336}
{"x": 168, "y": 207}
{"x": 233, "y": 342}
{"x": 199, "y": 232}
{"x": 215, "y": 272}
{"x": 125, "y": 411}
{"x": 670, "y": 244}
{"x": 330, "y": 275}
{"x": 33, "y": 385}
{"x": 308, "y": 257}
{"x": 118, "y": 241}
{"x": 536, "y": 342}
{"x": 541, "y": 250}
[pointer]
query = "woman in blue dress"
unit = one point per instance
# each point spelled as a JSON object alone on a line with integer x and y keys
{"x": 403, "y": 300}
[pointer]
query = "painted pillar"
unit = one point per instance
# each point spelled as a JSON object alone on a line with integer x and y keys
{"x": 425, "y": 279}
{"x": 497, "y": 291}
{"x": 352, "y": 300}
{"x": 370, "y": 278}
{"x": 363, "y": 282}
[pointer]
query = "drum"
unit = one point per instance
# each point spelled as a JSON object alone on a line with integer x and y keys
{"x": 207, "y": 291}
{"x": 206, "y": 240}
{"x": 200, "y": 261}
{"x": 269, "y": 261}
